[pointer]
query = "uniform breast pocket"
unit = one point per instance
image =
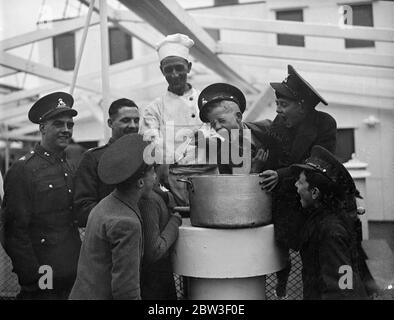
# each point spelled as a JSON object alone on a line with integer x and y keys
{"x": 51, "y": 195}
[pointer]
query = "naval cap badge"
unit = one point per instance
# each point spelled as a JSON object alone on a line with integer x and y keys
{"x": 60, "y": 103}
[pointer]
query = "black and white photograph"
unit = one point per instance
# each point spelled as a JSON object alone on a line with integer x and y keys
{"x": 196, "y": 154}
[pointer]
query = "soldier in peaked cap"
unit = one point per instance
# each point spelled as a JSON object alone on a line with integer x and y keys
{"x": 111, "y": 254}
{"x": 176, "y": 112}
{"x": 300, "y": 127}
{"x": 41, "y": 236}
{"x": 50, "y": 106}
{"x": 222, "y": 105}
{"x": 328, "y": 236}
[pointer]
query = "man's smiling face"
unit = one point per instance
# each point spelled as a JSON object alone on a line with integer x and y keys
{"x": 175, "y": 70}
{"x": 57, "y": 132}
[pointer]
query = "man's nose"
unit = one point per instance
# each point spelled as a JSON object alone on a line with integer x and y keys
{"x": 66, "y": 128}
{"x": 279, "y": 109}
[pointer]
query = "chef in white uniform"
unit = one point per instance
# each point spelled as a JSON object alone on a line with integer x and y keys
{"x": 172, "y": 120}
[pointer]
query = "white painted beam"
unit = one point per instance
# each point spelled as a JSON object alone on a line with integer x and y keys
{"x": 373, "y": 87}
{"x": 114, "y": 69}
{"x": 15, "y": 112}
{"x": 49, "y": 73}
{"x": 7, "y": 71}
{"x": 265, "y": 64}
{"x": 81, "y": 47}
{"x": 169, "y": 17}
{"x": 358, "y": 100}
{"x": 94, "y": 108}
{"x": 363, "y": 59}
{"x": 142, "y": 31}
{"x": 55, "y": 28}
{"x": 104, "y": 44}
{"x": 125, "y": 66}
{"x": 33, "y": 127}
{"x": 40, "y": 70}
{"x": 17, "y": 120}
{"x": 292, "y": 27}
{"x": 29, "y": 93}
{"x": 139, "y": 29}
{"x": 261, "y": 101}
{"x": 215, "y": 21}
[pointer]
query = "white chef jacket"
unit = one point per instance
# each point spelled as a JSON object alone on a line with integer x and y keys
{"x": 171, "y": 121}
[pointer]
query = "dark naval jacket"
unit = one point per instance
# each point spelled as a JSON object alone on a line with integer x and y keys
{"x": 89, "y": 189}
{"x": 318, "y": 128}
{"x": 328, "y": 251}
{"x": 39, "y": 226}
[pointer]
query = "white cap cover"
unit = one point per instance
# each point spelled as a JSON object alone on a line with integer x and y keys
{"x": 174, "y": 45}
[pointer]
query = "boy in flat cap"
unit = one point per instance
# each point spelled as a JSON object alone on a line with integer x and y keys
{"x": 222, "y": 105}
{"x": 171, "y": 118}
{"x": 328, "y": 248}
{"x": 40, "y": 231}
{"x": 109, "y": 265}
{"x": 300, "y": 127}
{"x": 123, "y": 119}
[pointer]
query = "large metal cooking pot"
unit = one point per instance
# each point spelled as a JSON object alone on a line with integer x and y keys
{"x": 228, "y": 201}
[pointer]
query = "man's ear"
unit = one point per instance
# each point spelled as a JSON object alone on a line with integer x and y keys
{"x": 315, "y": 193}
{"x": 140, "y": 183}
{"x": 189, "y": 67}
{"x": 238, "y": 116}
{"x": 109, "y": 122}
{"x": 42, "y": 128}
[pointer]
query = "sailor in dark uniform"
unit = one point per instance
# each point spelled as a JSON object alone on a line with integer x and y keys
{"x": 299, "y": 126}
{"x": 329, "y": 242}
{"x": 41, "y": 236}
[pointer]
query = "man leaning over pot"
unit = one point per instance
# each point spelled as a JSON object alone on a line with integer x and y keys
{"x": 300, "y": 127}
